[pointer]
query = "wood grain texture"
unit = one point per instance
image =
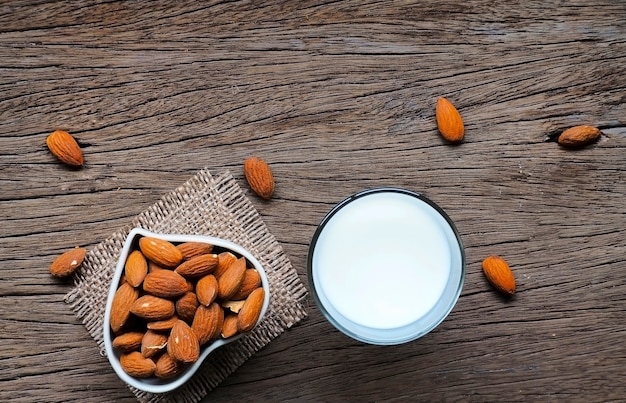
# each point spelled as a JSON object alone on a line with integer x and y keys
{"x": 337, "y": 97}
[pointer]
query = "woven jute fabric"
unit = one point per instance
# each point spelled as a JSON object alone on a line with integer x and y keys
{"x": 204, "y": 205}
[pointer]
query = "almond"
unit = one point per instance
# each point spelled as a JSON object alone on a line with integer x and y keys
{"x": 165, "y": 284}
{"x": 153, "y": 343}
{"x": 161, "y": 252}
{"x": 135, "y": 268}
{"x": 251, "y": 310}
{"x": 229, "y": 327}
{"x": 224, "y": 260}
{"x": 251, "y": 281}
{"x": 191, "y": 249}
{"x": 162, "y": 325}
{"x": 186, "y": 306}
{"x": 154, "y": 267}
{"x": 206, "y": 289}
{"x": 125, "y": 296}
{"x": 167, "y": 367}
{"x": 67, "y": 263}
{"x": 63, "y": 146}
{"x": 449, "y": 121}
{"x": 135, "y": 364}
{"x": 197, "y": 266}
{"x": 207, "y": 324}
{"x": 230, "y": 282}
{"x": 579, "y": 136}
{"x": 259, "y": 177}
{"x": 152, "y": 308}
{"x": 182, "y": 343}
{"x": 128, "y": 341}
{"x": 499, "y": 274}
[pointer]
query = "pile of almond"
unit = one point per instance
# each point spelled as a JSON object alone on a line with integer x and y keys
{"x": 173, "y": 299}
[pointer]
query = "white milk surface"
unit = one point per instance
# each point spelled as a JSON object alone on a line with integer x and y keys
{"x": 383, "y": 260}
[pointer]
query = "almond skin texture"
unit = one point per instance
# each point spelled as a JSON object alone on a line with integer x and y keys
{"x": 230, "y": 282}
{"x": 186, "y": 306}
{"x": 449, "y": 121}
{"x": 153, "y": 343}
{"x": 224, "y": 260}
{"x": 251, "y": 281}
{"x": 167, "y": 367}
{"x": 136, "y": 268}
{"x": 259, "y": 177}
{"x": 198, "y": 266}
{"x": 152, "y": 308}
{"x": 162, "y": 325}
{"x": 229, "y": 327}
{"x": 165, "y": 284}
{"x": 208, "y": 322}
{"x": 499, "y": 274}
{"x": 579, "y": 136}
{"x": 251, "y": 310}
{"x": 123, "y": 300}
{"x": 161, "y": 252}
{"x": 63, "y": 146}
{"x": 66, "y": 264}
{"x": 206, "y": 289}
{"x": 191, "y": 249}
{"x": 135, "y": 364}
{"x": 128, "y": 342}
{"x": 182, "y": 343}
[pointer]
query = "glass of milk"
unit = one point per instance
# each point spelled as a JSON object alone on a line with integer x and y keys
{"x": 386, "y": 266}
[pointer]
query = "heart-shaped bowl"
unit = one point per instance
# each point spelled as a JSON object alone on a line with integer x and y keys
{"x": 154, "y": 384}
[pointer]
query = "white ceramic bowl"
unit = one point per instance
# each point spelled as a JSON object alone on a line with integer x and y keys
{"x": 386, "y": 266}
{"x": 154, "y": 384}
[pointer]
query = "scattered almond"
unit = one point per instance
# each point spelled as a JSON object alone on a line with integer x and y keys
{"x": 449, "y": 121}
{"x": 579, "y": 136}
{"x": 63, "y": 146}
{"x": 259, "y": 177}
{"x": 499, "y": 274}
{"x": 66, "y": 264}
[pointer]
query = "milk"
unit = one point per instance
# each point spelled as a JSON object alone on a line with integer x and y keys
{"x": 382, "y": 260}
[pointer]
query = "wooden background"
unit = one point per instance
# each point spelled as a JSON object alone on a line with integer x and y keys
{"x": 337, "y": 96}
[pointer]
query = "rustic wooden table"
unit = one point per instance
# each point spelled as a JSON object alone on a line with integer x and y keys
{"x": 337, "y": 97}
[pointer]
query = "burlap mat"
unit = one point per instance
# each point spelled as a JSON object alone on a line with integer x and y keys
{"x": 202, "y": 206}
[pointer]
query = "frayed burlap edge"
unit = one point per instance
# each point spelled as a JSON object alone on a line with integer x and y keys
{"x": 204, "y": 205}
